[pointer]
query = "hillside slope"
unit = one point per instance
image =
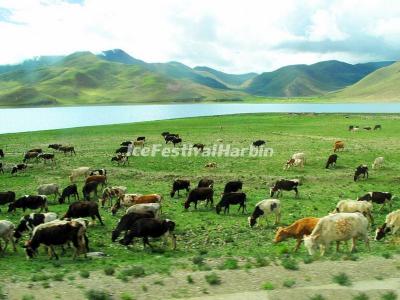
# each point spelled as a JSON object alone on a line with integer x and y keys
{"x": 310, "y": 80}
{"x": 383, "y": 84}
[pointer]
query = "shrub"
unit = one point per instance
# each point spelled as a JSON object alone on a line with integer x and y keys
{"x": 58, "y": 277}
{"x": 361, "y": 296}
{"x": 97, "y": 295}
{"x": 84, "y": 274}
{"x": 317, "y": 297}
{"x": 230, "y": 264}
{"x": 126, "y": 296}
{"x": 2, "y": 295}
{"x": 28, "y": 297}
{"x": 213, "y": 279}
{"x": 198, "y": 260}
{"x": 289, "y": 283}
{"x": 45, "y": 285}
{"x": 144, "y": 288}
{"x": 268, "y": 286}
{"x": 109, "y": 271}
{"x": 261, "y": 262}
{"x": 135, "y": 271}
{"x": 389, "y": 296}
{"x": 342, "y": 279}
{"x": 387, "y": 255}
{"x": 189, "y": 279}
{"x": 39, "y": 277}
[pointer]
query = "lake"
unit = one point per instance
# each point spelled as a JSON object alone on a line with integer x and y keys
{"x": 32, "y": 119}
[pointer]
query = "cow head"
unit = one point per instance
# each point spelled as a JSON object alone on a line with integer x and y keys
{"x": 381, "y": 232}
{"x": 281, "y": 235}
{"x": 218, "y": 208}
{"x": 310, "y": 244}
{"x": 273, "y": 190}
{"x": 252, "y": 221}
{"x": 30, "y": 252}
{"x": 186, "y": 205}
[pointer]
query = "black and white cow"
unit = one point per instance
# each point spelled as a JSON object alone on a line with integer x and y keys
{"x": 361, "y": 170}
{"x": 231, "y": 199}
{"x": 331, "y": 161}
{"x": 141, "y": 138}
{"x": 284, "y": 185}
{"x": 378, "y": 198}
{"x": 29, "y": 222}
{"x": 18, "y": 168}
{"x": 178, "y": 185}
{"x": 99, "y": 172}
{"x": 29, "y": 201}
{"x": 233, "y": 186}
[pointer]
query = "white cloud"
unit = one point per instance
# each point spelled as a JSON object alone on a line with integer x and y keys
{"x": 235, "y": 36}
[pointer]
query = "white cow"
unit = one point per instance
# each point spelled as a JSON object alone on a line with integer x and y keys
{"x": 81, "y": 171}
{"x": 265, "y": 208}
{"x": 7, "y": 229}
{"x": 378, "y": 162}
{"x": 336, "y": 228}
{"x": 392, "y": 224}
{"x": 155, "y": 208}
{"x": 351, "y": 206}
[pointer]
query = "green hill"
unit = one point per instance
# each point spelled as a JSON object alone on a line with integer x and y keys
{"x": 84, "y": 78}
{"x": 310, "y": 80}
{"x": 383, "y": 84}
{"x": 232, "y": 80}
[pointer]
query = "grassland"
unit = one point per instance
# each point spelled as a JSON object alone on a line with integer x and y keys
{"x": 203, "y": 233}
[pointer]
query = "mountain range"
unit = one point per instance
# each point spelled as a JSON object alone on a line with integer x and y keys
{"x": 114, "y": 76}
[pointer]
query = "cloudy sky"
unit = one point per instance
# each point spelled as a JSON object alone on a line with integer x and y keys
{"x": 231, "y": 35}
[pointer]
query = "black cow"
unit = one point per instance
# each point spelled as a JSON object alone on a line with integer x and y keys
{"x": 47, "y": 157}
{"x": 122, "y": 150}
{"x": 127, "y": 221}
{"x": 200, "y": 147}
{"x": 141, "y": 138}
{"x": 233, "y": 186}
{"x": 231, "y": 199}
{"x": 39, "y": 150}
{"x": 377, "y": 127}
{"x": 29, "y": 201}
{"x": 176, "y": 141}
{"x": 199, "y": 194}
{"x": 55, "y": 146}
{"x": 1, "y": 168}
{"x": 149, "y": 227}
{"x": 56, "y": 234}
{"x": 378, "y": 198}
{"x": 361, "y": 170}
{"x": 30, "y": 155}
{"x": 18, "y": 168}
{"x": 82, "y": 209}
{"x": 331, "y": 161}
{"x": 71, "y": 190}
{"x": 89, "y": 188}
{"x": 165, "y": 133}
{"x": 285, "y": 185}
{"x": 258, "y": 143}
{"x": 351, "y": 127}
{"x": 179, "y": 184}
{"x": 1, "y": 153}
{"x": 170, "y": 137}
{"x": 67, "y": 149}
{"x": 205, "y": 183}
{"x": 7, "y": 197}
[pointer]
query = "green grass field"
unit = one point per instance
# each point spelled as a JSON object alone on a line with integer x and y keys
{"x": 203, "y": 232}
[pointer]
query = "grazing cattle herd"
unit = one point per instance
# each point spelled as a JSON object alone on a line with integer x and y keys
{"x": 350, "y": 219}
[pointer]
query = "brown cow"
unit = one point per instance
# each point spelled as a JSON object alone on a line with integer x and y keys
{"x": 128, "y": 200}
{"x": 338, "y": 145}
{"x": 97, "y": 178}
{"x": 297, "y": 230}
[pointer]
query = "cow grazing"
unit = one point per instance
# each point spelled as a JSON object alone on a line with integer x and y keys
{"x": 29, "y": 222}
{"x": 89, "y": 188}
{"x": 47, "y": 157}
{"x": 71, "y": 190}
{"x": 128, "y": 200}
{"x": 98, "y": 172}
{"x": 169, "y": 137}
{"x": 120, "y": 159}
{"x": 231, "y": 199}
{"x": 29, "y": 201}
{"x": 368, "y": 128}
{"x": 392, "y": 224}
{"x": 112, "y": 192}
{"x": 57, "y": 233}
{"x": 138, "y": 144}
{"x": 1, "y": 153}
{"x": 378, "y": 162}
{"x": 205, "y": 183}
{"x": 154, "y": 208}
{"x": 165, "y": 133}
{"x": 7, "y": 197}
{"x": 79, "y": 172}
{"x": 122, "y": 150}
{"x": 361, "y": 170}
{"x": 297, "y": 231}
{"x": 1, "y": 168}
{"x": 141, "y": 138}
{"x": 285, "y": 185}
{"x": 82, "y": 209}
{"x": 338, "y": 145}
{"x": 351, "y": 127}
{"x": 200, "y": 147}
{"x": 258, "y": 143}
{"x": 331, "y": 161}
{"x": 265, "y": 208}
{"x": 210, "y": 165}
{"x": 233, "y": 186}
{"x": 39, "y": 150}
{"x": 6, "y": 234}
{"x": 178, "y": 185}
{"x": 376, "y": 127}
{"x": 126, "y": 222}
{"x": 49, "y": 189}
{"x": 336, "y": 228}
{"x": 199, "y": 194}
{"x": 294, "y": 163}
{"x": 126, "y": 143}
{"x": 351, "y": 206}
{"x": 355, "y": 129}
{"x": 176, "y": 141}
{"x": 18, "y": 168}
{"x": 379, "y": 198}
{"x": 67, "y": 149}
{"x": 30, "y": 155}
{"x": 149, "y": 227}
{"x": 55, "y": 146}
{"x": 100, "y": 179}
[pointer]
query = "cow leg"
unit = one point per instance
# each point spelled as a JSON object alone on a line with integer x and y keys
{"x": 337, "y": 246}
{"x": 13, "y": 243}
{"x": 366, "y": 240}
{"x": 298, "y": 243}
{"x": 146, "y": 242}
{"x": 353, "y": 244}
{"x": 99, "y": 217}
{"x": 322, "y": 249}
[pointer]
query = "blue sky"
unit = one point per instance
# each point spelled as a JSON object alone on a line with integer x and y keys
{"x": 233, "y": 36}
